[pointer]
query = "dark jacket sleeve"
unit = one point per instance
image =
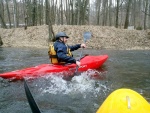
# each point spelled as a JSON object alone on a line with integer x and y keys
{"x": 75, "y": 47}
{"x": 61, "y": 50}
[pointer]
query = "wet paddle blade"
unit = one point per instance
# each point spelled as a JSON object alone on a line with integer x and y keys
{"x": 31, "y": 100}
{"x": 87, "y": 36}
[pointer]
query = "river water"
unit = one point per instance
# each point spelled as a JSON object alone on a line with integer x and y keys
{"x": 83, "y": 94}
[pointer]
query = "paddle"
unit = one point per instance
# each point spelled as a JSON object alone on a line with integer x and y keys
{"x": 30, "y": 98}
{"x": 86, "y": 36}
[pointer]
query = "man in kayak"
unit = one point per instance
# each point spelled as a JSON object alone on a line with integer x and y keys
{"x": 60, "y": 53}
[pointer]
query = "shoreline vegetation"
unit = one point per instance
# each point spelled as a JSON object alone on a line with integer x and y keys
{"x": 103, "y": 37}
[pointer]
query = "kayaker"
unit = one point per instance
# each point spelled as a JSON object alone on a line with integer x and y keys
{"x": 60, "y": 52}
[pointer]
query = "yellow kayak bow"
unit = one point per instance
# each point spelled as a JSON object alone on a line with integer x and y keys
{"x": 124, "y": 101}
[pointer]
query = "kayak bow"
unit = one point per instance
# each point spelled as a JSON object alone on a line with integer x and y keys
{"x": 124, "y": 101}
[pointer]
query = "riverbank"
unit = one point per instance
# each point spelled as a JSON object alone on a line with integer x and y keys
{"x": 102, "y": 37}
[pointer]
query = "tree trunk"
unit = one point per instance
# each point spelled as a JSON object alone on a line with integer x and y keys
{"x": 133, "y": 15}
{"x": 46, "y": 12}
{"x": 149, "y": 18}
{"x": 110, "y": 13}
{"x": 104, "y": 12}
{"x": 53, "y": 11}
{"x": 15, "y": 13}
{"x": 98, "y": 11}
{"x": 86, "y": 2}
{"x": 79, "y": 13}
{"x": 127, "y": 15}
{"x": 51, "y": 31}
{"x": 67, "y": 12}
{"x": 145, "y": 14}
{"x": 34, "y": 13}
{"x": 61, "y": 10}
{"x": 8, "y": 13}
{"x": 3, "y": 24}
{"x": 117, "y": 13}
{"x": 50, "y": 28}
{"x": 25, "y": 14}
{"x": 72, "y": 12}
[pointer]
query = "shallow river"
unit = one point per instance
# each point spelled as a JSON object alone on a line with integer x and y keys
{"x": 83, "y": 94}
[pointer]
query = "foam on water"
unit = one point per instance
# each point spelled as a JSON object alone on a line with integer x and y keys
{"x": 82, "y": 84}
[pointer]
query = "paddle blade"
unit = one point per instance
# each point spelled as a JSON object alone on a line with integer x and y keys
{"x": 31, "y": 100}
{"x": 87, "y": 36}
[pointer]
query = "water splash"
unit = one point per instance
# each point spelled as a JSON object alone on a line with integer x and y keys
{"x": 82, "y": 84}
{"x": 4, "y": 83}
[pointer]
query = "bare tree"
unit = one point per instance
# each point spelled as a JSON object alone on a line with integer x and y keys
{"x": 76, "y": 12}
{"x": 149, "y": 16}
{"x": 98, "y": 11}
{"x": 67, "y": 12}
{"x": 117, "y": 13}
{"x": 3, "y": 24}
{"x": 49, "y": 22}
{"x": 72, "y": 11}
{"x": 110, "y": 12}
{"x": 85, "y": 10}
{"x": 8, "y": 13}
{"x": 53, "y": 7}
{"x": 46, "y": 11}
{"x": 139, "y": 2}
{"x": 104, "y": 12}
{"x": 145, "y": 13}
{"x": 127, "y": 14}
{"x": 34, "y": 12}
{"x": 61, "y": 11}
{"x": 15, "y": 13}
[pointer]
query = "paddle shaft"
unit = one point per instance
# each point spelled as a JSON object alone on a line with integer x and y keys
{"x": 87, "y": 35}
{"x": 30, "y": 98}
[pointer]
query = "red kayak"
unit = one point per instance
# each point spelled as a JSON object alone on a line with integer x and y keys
{"x": 87, "y": 62}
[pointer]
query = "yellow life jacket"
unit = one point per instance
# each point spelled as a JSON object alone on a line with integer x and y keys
{"x": 53, "y": 55}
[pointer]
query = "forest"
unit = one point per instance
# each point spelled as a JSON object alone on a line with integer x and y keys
{"x": 117, "y": 13}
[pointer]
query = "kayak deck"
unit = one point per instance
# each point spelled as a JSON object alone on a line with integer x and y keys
{"x": 88, "y": 62}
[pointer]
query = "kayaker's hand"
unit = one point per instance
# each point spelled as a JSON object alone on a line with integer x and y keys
{"x": 83, "y": 45}
{"x": 78, "y": 63}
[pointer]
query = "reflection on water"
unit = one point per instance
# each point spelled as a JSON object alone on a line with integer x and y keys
{"x": 84, "y": 93}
